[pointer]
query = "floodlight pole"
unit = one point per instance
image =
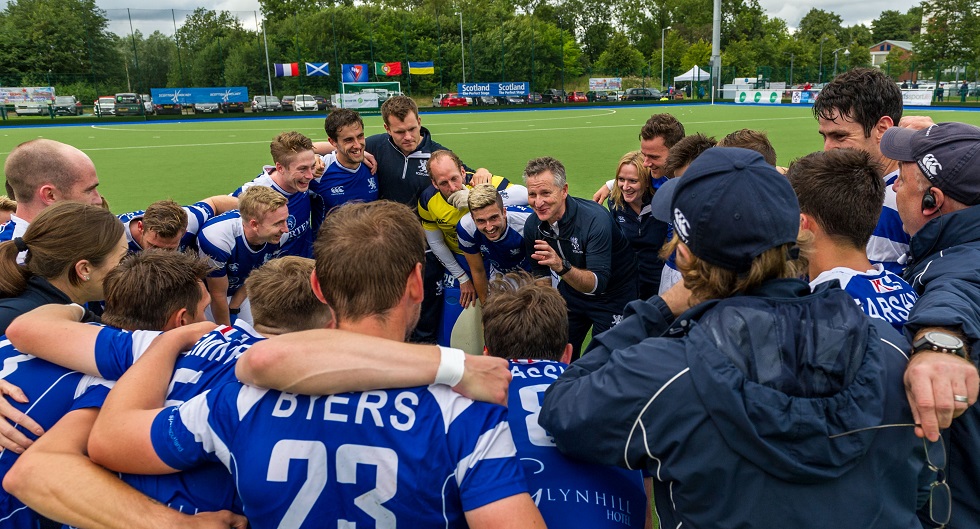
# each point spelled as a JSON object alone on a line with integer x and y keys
{"x": 663, "y": 42}
{"x": 820, "y": 74}
{"x": 268, "y": 72}
{"x": 462, "y": 47}
{"x": 835, "y": 60}
{"x": 792, "y": 56}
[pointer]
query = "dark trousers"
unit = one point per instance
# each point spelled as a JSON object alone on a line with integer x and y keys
{"x": 598, "y": 313}
{"x": 430, "y": 319}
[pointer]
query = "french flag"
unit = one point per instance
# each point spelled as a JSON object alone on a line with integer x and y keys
{"x": 290, "y": 69}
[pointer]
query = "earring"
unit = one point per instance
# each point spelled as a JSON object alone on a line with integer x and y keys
{"x": 86, "y": 278}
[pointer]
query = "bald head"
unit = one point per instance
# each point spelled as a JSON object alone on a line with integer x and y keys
{"x": 41, "y": 172}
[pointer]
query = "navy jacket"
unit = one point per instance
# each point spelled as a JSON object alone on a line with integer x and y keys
{"x": 589, "y": 239}
{"x": 944, "y": 271}
{"x": 732, "y": 409}
{"x": 647, "y": 236}
{"x": 39, "y": 292}
{"x": 402, "y": 178}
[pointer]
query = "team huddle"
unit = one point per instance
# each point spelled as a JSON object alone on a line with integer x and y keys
{"x": 806, "y": 336}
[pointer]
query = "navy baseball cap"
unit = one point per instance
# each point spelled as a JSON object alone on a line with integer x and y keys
{"x": 731, "y": 206}
{"x": 947, "y": 153}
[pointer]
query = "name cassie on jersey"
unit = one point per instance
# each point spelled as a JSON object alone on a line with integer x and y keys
{"x": 338, "y": 408}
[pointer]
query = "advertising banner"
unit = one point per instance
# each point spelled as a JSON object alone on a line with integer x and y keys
{"x": 762, "y": 97}
{"x": 38, "y": 94}
{"x": 805, "y": 96}
{"x": 521, "y": 88}
{"x": 605, "y": 83}
{"x": 189, "y": 96}
{"x": 360, "y": 100}
{"x": 917, "y": 97}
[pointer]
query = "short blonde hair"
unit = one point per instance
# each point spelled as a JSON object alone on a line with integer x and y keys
{"x": 8, "y": 204}
{"x": 257, "y": 201}
{"x": 287, "y": 145}
{"x": 484, "y": 195}
{"x": 281, "y": 296}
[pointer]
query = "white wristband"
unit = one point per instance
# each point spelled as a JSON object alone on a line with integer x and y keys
{"x": 451, "y": 366}
{"x": 81, "y": 308}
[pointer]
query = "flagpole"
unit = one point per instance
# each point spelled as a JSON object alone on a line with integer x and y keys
{"x": 462, "y": 48}
{"x": 268, "y": 72}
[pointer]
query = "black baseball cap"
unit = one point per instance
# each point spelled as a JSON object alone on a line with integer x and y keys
{"x": 948, "y": 154}
{"x": 731, "y": 206}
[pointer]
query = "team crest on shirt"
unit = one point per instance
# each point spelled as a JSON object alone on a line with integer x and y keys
{"x": 422, "y": 171}
{"x": 484, "y": 249}
{"x": 576, "y": 247}
{"x": 372, "y": 184}
{"x": 232, "y": 267}
{"x": 621, "y": 219}
{"x": 515, "y": 251}
{"x": 291, "y": 222}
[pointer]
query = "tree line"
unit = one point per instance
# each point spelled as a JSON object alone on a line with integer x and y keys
{"x": 67, "y": 43}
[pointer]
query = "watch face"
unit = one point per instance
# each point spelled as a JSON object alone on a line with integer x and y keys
{"x": 944, "y": 340}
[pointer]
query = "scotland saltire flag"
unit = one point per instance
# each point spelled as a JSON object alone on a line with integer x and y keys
{"x": 289, "y": 69}
{"x": 354, "y": 73}
{"x": 314, "y": 69}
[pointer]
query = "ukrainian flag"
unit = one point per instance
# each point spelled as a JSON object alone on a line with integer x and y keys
{"x": 421, "y": 68}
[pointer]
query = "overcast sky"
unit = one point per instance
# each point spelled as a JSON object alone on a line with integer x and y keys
{"x": 853, "y": 12}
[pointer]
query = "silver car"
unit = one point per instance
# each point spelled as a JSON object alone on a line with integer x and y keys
{"x": 206, "y": 108}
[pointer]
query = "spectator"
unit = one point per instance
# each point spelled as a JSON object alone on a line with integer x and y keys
{"x": 940, "y": 92}
{"x": 938, "y": 193}
{"x": 629, "y": 203}
{"x": 773, "y": 385}
{"x": 576, "y": 241}
{"x": 70, "y": 248}
{"x": 964, "y": 91}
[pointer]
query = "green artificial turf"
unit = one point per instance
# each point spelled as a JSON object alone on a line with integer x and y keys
{"x": 187, "y": 160}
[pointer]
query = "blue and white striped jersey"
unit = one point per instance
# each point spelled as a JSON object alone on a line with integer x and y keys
{"x": 197, "y": 214}
{"x": 880, "y": 293}
{"x": 299, "y": 240}
{"x": 506, "y": 254}
{"x": 889, "y": 243}
{"x": 14, "y": 228}
{"x": 339, "y": 185}
{"x": 568, "y": 493}
{"x": 52, "y": 392}
{"x": 420, "y": 457}
{"x": 222, "y": 240}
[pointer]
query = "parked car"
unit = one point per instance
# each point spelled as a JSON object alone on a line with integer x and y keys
{"x": 30, "y": 108}
{"x": 287, "y": 103}
{"x": 449, "y": 100}
{"x": 266, "y": 104}
{"x": 643, "y": 94}
{"x": 233, "y": 106}
{"x": 168, "y": 108}
{"x": 147, "y": 103}
{"x": 128, "y": 104}
{"x": 487, "y": 100}
{"x": 534, "y": 98}
{"x": 511, "y": 100}
{"x": 105, "y": 106}
{"x": 304, "y": 102}
{"x": 321, "y": 103}
{"x": 553, "y": 95}
{"x": 207, "y": 108}
{"x": 577, "y": 97}
{"x": 67, "y": 106}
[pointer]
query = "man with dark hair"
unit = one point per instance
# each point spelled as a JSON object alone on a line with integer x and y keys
{"x": 428, "y": 455}
{"x": 836, "y": 227}
{"x": 42, "y": 172}
{"x": 525, "y": 322}
{"x": 658, "y": 135}
{"x": 345, "y": 176}
{"x": 854, "y": 110}
{"x": 763, "y": 386}
{"x": 577, "y": 242}
{"x": 938, "y": 193}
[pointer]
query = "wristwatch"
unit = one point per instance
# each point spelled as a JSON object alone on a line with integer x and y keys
{"x": 565, "y": 267}
{"x": 939, "y": 342}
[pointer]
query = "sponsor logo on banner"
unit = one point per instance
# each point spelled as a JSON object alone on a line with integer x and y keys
{"x": 233, "y": 94}
{"x": 917, "y": 98}
{"x": 359, "y": 100}
{"x": 493, "y": 89}
{"x": 605, "y": 83}
{"x": 765, "y": 97}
